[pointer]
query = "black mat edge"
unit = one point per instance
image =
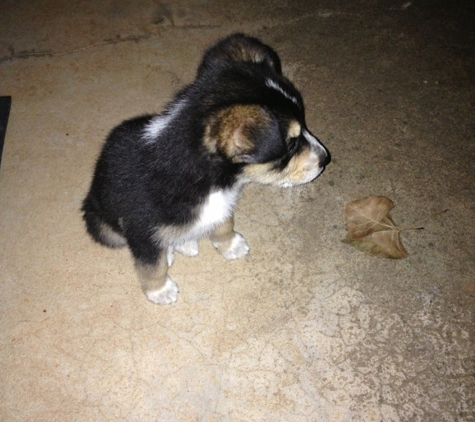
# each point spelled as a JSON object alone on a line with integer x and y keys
{"x": 5, "y": 105}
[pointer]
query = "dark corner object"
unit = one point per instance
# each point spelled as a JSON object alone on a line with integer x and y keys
{"x": 5, "y": 103}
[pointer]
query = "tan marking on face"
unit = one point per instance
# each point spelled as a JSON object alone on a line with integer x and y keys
{"x": 294, "y": 129}
{"x": 298, "y": 167}
{"x": 230, "y": 130}
{"x": 296, "y": 172}
{"x": 262, "y": 173}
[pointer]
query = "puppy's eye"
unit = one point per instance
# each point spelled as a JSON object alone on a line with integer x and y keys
{"x": 293, "y": 144}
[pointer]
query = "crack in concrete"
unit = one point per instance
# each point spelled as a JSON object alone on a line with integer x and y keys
{"x": 28, "y": 54}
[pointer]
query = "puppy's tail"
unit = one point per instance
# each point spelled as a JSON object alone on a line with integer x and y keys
{"x": 99, "y": 230}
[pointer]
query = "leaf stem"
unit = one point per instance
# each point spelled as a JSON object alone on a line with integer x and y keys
{"x": 416, "y": 225}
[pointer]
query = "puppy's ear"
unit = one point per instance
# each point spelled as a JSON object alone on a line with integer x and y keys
{"x": 240, "y": 48}
{"x": 241, "y": 133}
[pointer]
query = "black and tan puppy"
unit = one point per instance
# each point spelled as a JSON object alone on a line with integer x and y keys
{"x": 163, "y": 182}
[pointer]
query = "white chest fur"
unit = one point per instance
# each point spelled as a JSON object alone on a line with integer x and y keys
{"x": 216, "y": 209}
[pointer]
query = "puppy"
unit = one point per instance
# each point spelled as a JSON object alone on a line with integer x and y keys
{"x": 163, "y": 182}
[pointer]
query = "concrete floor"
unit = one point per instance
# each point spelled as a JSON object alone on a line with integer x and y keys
{"x": 305, "y": 328}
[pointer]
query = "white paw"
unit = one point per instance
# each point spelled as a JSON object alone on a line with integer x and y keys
{"x": 238, "y": 249}
{"x": 170, "y": 256}
{"x": 166, "y": 295}
{"x": 188, "y": 248}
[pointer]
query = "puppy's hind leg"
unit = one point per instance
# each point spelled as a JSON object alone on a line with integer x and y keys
{"x": 151, "y": 264}
{"x": 229, "y": 243}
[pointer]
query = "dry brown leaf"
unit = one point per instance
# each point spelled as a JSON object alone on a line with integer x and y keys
{"x": 371, "y": 229}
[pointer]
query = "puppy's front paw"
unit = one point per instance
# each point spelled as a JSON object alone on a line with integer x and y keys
{"x": 167, "y": 295}
{"x": 237, "y": 249}
{"x": 188, "y": 248}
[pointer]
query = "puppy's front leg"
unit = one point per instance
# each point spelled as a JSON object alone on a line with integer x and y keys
{"x": 152, "y": 267}
{"x": 231, "y": 244}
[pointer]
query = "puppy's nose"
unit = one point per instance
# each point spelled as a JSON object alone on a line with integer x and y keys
{"x": 324, "y": 158}
{"x": 323, "y": 155}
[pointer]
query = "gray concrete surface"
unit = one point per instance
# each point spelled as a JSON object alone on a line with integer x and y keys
{"x": 305, "y": 328}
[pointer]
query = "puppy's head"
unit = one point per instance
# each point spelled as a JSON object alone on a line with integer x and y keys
{"x": 258, "y": 120}
{"x": 271, "y": 146}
